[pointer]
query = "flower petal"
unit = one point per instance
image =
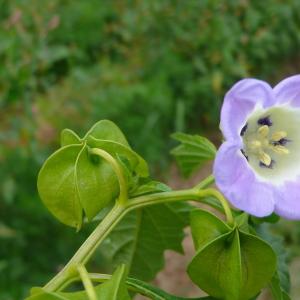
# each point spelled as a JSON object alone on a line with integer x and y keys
{"x": 288, "y": 202}
{"x": 288, "y": 91}
{"x": 228, "y": 165}
{"x": 240, "y": 101}
{"x": 237, "y": 181}
{"x": 251, "y": 195}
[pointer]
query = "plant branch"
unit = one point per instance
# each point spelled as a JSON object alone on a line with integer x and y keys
{"x": 87, "y": 249}
{"x": 84, "y": 253}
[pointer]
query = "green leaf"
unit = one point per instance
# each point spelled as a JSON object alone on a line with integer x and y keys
{"x": 107, "y": 130}
{"x": 277, "y": 243}
{"x": 96, "y": 182}
{"x": 206, "y": 227}
{"x": 150, "y": 187}
{"x": 113, "y": 289}
{"x": 193, "y": 152}
{"x": 141, "y": 238}
{"x": 57, "y": 185}
{"x": 137, "y": 163}
{"x": 71, "y": 181}
{"x": 69, "y": 137}
{"x": 234, "y": 266}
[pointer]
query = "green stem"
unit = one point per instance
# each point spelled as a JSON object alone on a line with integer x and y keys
{"x": 123, "y": 197}
{"x": 193, "y": 194}
{"x": 87, "y": 283}
{"x": 223, "y": 201}
{"x": 84, "y": 253}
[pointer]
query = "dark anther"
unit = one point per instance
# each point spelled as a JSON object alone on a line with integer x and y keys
{"x": 243, "y": 152}
{"x": 265, "y": 121}
{"x": 281, "y": 142}
{"x": 244, "y": 129}
{"x": 262, "y": 165}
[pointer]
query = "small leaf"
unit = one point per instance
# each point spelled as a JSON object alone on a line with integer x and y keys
{"x": 234, "y": 266}
{"x": 107, "y": 130}
{"x": 69, "y": 137}
{"x": 193, "y": 152}
{"x": 206, "y": 227}
{"x": 57, "y": 185}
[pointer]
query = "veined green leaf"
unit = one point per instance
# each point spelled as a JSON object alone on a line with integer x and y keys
{"x": 71, "y": 181}
{"x": 193, "y": 152}
{"x": 107, "y": 130}
{"x": 234, "y": 266}
{"x": 206, "y": 227}
{"x": 69, "y": 137}
{"x": 57, "y": 185}
{"x": 142, "y": 237}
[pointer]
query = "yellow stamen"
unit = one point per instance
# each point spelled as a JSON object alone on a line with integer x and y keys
{"x": 263, "y": 131}
{"x": 255, "y": 144}
{"x": 278, "y": 135}
{"x": 265, "y": 158}
{"x": 281, "y": 149}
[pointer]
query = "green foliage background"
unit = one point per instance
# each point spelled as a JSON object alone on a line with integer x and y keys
{"x": 151, "y": 66}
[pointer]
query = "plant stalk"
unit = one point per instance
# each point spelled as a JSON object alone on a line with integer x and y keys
{"x": 87, "y": 249}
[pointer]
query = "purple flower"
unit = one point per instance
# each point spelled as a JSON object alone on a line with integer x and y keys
{"x": 258, "y": 166}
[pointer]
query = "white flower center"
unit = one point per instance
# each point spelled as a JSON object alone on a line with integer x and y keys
{"x": 271, "y": 143}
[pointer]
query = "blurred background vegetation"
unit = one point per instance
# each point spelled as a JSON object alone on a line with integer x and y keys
{"x": 151, "y": 66}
